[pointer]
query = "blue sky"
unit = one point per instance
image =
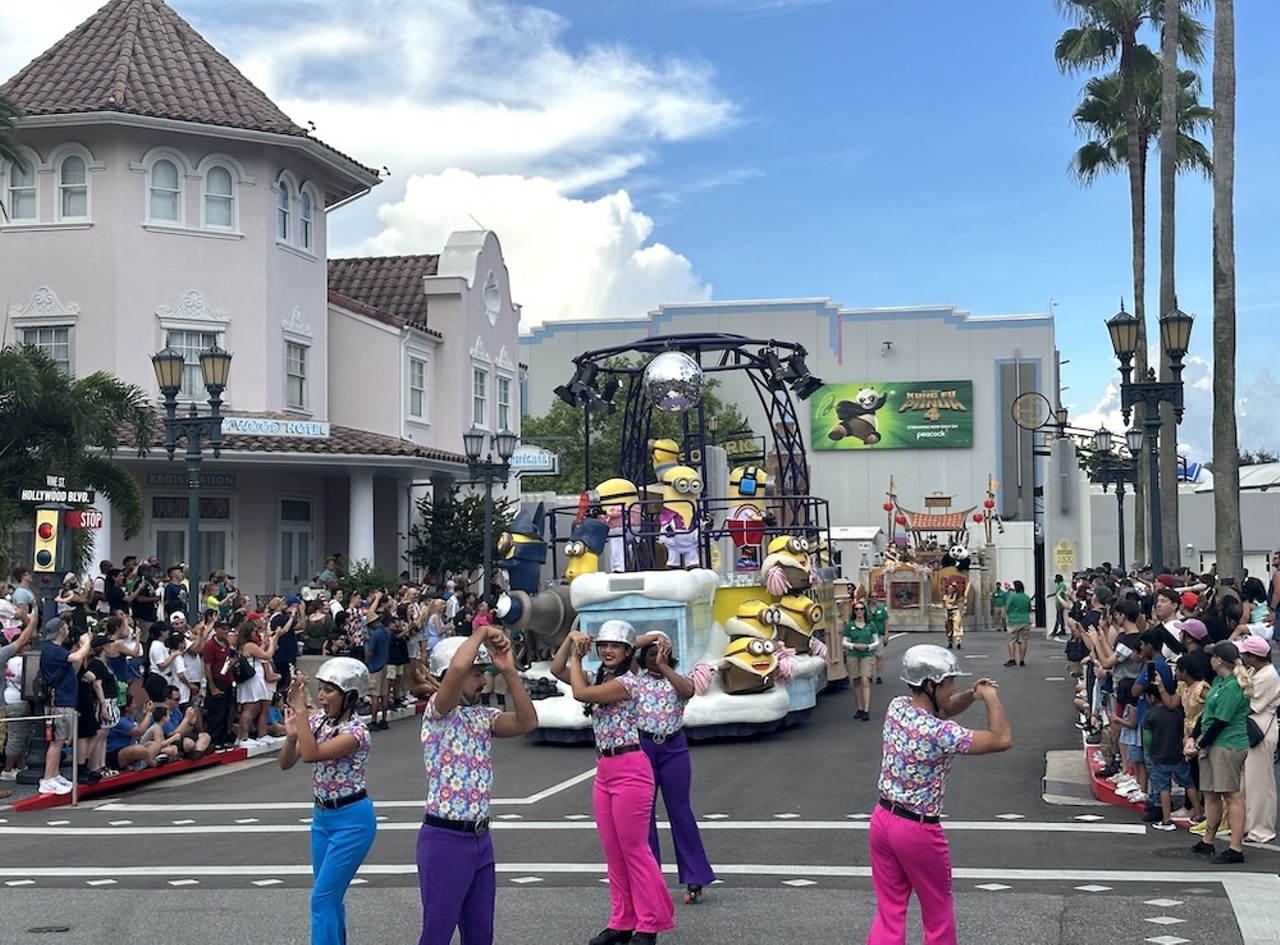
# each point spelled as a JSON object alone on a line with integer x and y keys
{"x": 634, "y": 152}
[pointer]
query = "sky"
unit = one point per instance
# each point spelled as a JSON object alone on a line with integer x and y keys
{"x": 632, "y": 153}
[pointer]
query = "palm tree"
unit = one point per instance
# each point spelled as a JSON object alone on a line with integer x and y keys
{"x": 1168, "y": 284}
{"x": 1228, "y": 541}
{"x": 52, "y": 423}
{"x": 9, "y": 152}
{"x": 1107, "y": 31}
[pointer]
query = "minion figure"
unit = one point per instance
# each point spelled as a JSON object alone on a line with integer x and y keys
{"x": 678, "y": 520}
{"x": 755, "y": 618}
{"x": 795, "y": 617}
{"x": 583, "y": 548}
{"x": 749, "y": 665}
{"x": 745, "y": 521}
{"x": 523, "y": 550}
{"x": 619, "y": 501}
{"x": 786, "y": 568}
{"x": 666, "y": 453}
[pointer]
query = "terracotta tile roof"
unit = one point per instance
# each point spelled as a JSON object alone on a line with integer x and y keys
{"x": 391, "y": 285}
{"x": 933, "y": 522}
{"x": 342, "y": 441}
{"x": 139, "y": 57}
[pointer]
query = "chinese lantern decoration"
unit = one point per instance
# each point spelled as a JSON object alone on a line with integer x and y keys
{"x": 989, "y": 503}
{"x": 888, "y": 506}
{"x": 978, "y": 517}
{"x": 901, "y": 519}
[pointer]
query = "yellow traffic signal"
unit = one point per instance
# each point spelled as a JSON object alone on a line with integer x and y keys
{"x": 46, "y": 548}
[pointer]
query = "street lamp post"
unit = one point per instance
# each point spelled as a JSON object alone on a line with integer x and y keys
{"x": 1175, "y": 337}
{"x": 482, "y": 467}
{"x": 215, "y": 365}
{"x": 1118, "y": 470}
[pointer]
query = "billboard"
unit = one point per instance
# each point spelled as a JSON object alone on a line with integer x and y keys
{"x": 889, "y": 415}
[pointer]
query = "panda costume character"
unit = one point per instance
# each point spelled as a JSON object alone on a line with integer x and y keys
{"x": 955, "y": 594}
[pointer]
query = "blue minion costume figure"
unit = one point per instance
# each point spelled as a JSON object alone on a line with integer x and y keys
{"x": 583, "y": 549}
{"x": 523, "y": 550}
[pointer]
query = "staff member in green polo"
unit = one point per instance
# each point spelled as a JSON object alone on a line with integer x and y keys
{"x": 1018, "y": 607}
{"x": 878, "y": 615}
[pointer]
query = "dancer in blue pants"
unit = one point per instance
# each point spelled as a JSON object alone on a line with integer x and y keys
{"x": 336, "y": 741}
{"x": 660, "y": 700}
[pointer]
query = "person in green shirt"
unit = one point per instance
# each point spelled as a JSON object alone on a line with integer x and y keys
{"x": 878, "y": 614}
{"x": 999, "y": 599}
{"x": 1223, "y": 744}
{"x": 860, "y": 644}
{"x": 1018, "y": 606}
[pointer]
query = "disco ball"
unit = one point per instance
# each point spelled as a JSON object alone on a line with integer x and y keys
{"x": 673, "y": 381}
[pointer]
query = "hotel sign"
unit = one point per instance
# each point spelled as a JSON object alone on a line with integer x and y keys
{"x": 271, "y": 426}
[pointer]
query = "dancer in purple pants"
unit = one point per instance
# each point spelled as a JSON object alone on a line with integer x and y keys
{"x": 455, "y": 851}
{"x": 660, "y": 700}
{"x": 908, "y": 848}
{"x": 623, "y": 794}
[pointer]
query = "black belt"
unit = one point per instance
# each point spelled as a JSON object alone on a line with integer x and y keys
{"x": 613, "y": 752}
{"x": 478, "y": 827}
{"x": 659, "y": 737}
{"x": 338, "y": 802}
{"x": 899, "y": 811}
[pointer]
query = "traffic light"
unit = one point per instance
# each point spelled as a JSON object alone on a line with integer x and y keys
{"x": 45, "y": 559}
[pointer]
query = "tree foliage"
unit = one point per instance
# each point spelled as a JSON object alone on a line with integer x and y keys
{"x": 55, "y": 424}
{"x": 9, "y": 153}
{"x": 560, "y": 430}
{"x": 450, "y": 537}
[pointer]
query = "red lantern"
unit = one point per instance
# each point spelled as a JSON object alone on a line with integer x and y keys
{"x": 977, "y": 516}
{"x": 901, "y": 519}
{"x": 888, "y": 506}
{"x": 989, "y": 504}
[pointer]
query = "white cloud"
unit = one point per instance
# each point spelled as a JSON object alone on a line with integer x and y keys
{"x": 569, "y": 258}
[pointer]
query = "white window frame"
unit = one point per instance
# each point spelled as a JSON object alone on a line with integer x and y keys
{"x": 295, "y": 331}
{"x": 284, "y": 210}
{"x": 33, "y": 168}
{"x": 416, "y": 357}
{"x": 480, "y": 396}
{"x": 69, "y": 363}
{"x": 238, "y": 182}
{"x": 304, "y": 355}
{"x": 306, "y": 219}
{"x": 57, "y": 163}
{"x": 157, "y": 189}
{"x": 501, "y": 380}
{"x": 193, "y": 314}
{"x": 46, "y": 311}
{"x": 184, "y": 172}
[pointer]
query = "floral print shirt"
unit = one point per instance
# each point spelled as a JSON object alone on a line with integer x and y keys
{"x": 616, "y": 724}
{"x": 457, "y": 756}
{"x": 340, "y": 777}
{"x": 919, "y": 748}
{"x": 660, "y": 708}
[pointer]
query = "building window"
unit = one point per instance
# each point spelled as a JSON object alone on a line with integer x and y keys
{"x": 480, "y": 397}
{"x": 189, "y": 344}
{"x": 55, "y": 342}
{"x": 295, "y": 376}
{"x": 219, "y": 199}
{"x": 284, "y": 200}
{"x": 22, "y": 192}
{"x": 504, "y": 403}
{"x": 305, "y": 221}
{"x": 166, "y": 192}
{"x": 417, "y": 388}
{"x": 73, "y": 188}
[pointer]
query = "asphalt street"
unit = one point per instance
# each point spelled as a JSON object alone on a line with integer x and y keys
{"x": 223, "y": 855}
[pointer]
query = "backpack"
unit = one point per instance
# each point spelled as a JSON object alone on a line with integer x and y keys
{"x": 243, "y": 669}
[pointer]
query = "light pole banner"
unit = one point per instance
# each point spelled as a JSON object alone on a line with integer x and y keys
{"x": 889, "y": 415}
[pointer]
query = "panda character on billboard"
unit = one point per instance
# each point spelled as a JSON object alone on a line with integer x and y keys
{"x": 858, "y": 416}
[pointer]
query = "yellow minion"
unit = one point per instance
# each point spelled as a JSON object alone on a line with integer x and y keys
{"x": 583, "y": 548}
{"x": 786, "y": 568}
{"x": 755, "y": 618}
{"x": 747, "y": 488}
{"x": 749, "y": 665}
{"x": 678, "y": 520}
{"x": 795, "y": 619}
{"x": 619, "y": 501}
{"x": 666, "y": 453}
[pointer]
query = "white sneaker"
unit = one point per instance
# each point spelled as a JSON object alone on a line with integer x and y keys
{"x": 9, "y": 775}
{"x": 1137, "y": 797}
{"x": 54, "y": 786}
{"x": 246, "y": 743}
{"x": 63, "y": 781}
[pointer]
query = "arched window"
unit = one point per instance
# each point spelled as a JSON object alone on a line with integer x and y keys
{"x": 219, "y": 198}
{"x": 284, "y": 207}
{"x": 166, "y": 192}
{"x": 306, "y": 220}
{"x": 73, "y": 188}
{"x": 21, "y": 203}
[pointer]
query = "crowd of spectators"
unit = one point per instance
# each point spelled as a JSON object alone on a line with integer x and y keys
{"x": 1176, "y": 684}
{"x": 132, "y": 670}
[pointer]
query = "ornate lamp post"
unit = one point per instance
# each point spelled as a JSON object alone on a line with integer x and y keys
{"x": 482, "y": 467}
{"x": 1175, "y": 337}
{"x": 1117, "y": 470}
{"x": 215, "y": 365}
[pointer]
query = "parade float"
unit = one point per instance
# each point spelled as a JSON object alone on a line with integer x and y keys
{"x": 733, "y": 564}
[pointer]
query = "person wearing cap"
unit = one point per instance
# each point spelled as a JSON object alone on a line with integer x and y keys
{"x": 1259, "y": 764}
{"x": 1222, "y": 743}
{"x": 455, "y": 858}
{"x": 174, "y": 593}
{"x": 58, "y": 668}
{"x": 1192, "y": 633}
{"x": 23, "y": 597}
{"x": 18, "y": 734}
{"x": 640, "y": 906}
{"x": 909, "y": 851}
{"x": 660, "y": 701}
{"x": 335, "y": 740}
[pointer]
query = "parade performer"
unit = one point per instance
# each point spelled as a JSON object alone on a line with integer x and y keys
{"x": 953, "y": 603}
{"x": 619, "y": 501}
{"x": 622, "y": 797}
{"x": 878, "y": 614}
{"x": 336, "y": 741}
{"x": 679, "y": 518}
{"x": 455, "y": 851}
{"x": 908, "y": 846}
{"x": 660, "y": 700}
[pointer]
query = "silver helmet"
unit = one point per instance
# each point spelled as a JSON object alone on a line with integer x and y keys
{"x": 617, "y": 631}
{"x": 442, "y": 655}
{"x": 346, "y": 674}
{"x": 927, "y": 661}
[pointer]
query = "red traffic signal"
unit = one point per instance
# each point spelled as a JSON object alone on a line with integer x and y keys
{"x": 45, "y": 531}
{"x": 45, "y": 557}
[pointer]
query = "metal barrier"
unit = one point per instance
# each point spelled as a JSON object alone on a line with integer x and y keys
{"x": 75, "y": 761}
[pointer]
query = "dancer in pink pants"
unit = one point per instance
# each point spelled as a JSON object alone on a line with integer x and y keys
{"x": 641, "y": 906}
{"x": 908, "y": 848}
